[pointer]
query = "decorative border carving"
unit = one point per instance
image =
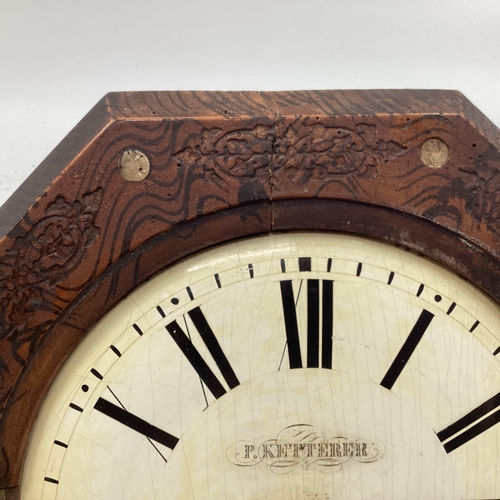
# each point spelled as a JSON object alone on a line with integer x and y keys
{"x": 327, "y": 152}
{"x": 36, "y": 263}
{"x": 299, "y": 150}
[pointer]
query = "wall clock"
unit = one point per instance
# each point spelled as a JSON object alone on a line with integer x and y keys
{"x": 286, "y": 295}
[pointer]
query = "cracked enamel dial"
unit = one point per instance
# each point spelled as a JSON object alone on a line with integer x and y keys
{"x": 290, "y": 366}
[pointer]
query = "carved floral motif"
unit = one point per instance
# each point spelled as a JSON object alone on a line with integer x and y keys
{"x": 238, "y": 153}
{"x": 43, "y": 258}
{"x": 327, "y": 152}
{"x": 300, "y": 150}
{"x": 482, "y": 187}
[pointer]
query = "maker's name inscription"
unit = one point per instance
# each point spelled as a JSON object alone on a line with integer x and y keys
{"x": 303, "y": 446}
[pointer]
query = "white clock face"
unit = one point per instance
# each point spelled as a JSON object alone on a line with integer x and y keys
{"x": 290, "y": 366}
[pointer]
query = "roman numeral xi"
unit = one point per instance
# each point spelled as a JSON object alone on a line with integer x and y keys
{"x": 194, "y": 357}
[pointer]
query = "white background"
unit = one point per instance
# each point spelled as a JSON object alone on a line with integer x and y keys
{"x": 59, "y": 57}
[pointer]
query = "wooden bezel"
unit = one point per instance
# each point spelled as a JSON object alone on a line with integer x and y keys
{"x": 148, "y": 178}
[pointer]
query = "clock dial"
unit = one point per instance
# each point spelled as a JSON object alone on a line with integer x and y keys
{"x": 289, "y": 366}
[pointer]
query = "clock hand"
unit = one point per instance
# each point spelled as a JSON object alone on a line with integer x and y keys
{"x": 122, "y": 405}
{"x": 291, "y": 305}
{"x": 201, "y": 380}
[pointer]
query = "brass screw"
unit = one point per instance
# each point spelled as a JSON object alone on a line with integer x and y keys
{"x": 434, "y": 153}
{"x": 134, "y": 165}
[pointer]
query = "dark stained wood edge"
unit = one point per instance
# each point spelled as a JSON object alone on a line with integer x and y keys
{"x": 482, "y": 123}
{"x": 206, "y": 104}
{"x": 34, "y": 187}
{"x": 10, "y": 494}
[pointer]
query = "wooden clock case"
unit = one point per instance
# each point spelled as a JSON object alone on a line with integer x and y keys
{"x": 147, "y": 178}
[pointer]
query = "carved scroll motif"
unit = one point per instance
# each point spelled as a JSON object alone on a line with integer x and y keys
{"x": 324, "y": 153}
{"x": 298, "y": 150}
{"x": 240, "y": 153}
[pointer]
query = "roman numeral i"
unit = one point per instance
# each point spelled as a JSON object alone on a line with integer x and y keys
{"x": 319, "y": 323}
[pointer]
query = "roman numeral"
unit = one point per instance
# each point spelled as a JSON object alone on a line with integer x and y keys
{"x": 319, "y": 313}
{"x": 195, "y": 358}
{"x": 417, "y": 332}
{"x": 474, "y": 419}
{"x": 135, "y": 423}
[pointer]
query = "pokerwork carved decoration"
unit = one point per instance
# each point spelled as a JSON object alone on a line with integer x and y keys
{"x": 298, "y": 150}
{"x": 32, "y": 269}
